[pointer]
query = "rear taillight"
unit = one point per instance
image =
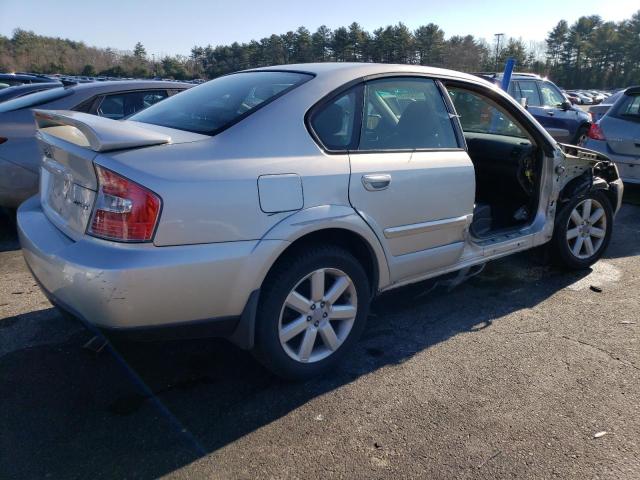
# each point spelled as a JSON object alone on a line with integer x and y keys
{"x": 595, "y": 132}
{"x": 124, "y": 211}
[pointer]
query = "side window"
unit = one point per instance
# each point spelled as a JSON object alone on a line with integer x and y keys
{"x": 514, "y": 90}
{"x": 405, "y": 114}
{"x": 119, "y": 105}
{"x": 149, "y": 98}
{"x": 334, "y": 122}
{"x": 529, "y": 90}
{"x": 479, "y": 114}
{"x": 551, "y": 96}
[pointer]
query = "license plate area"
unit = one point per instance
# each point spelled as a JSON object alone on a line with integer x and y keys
{"x": 67, "y": 204}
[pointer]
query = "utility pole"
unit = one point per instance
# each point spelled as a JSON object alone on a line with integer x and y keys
{"x": 498, "y": 38}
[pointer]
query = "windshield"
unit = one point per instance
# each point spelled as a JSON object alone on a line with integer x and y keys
{"x": 551, "y": 96}
{"x": 213, "y": 106}
{"x": 34, "y": 99}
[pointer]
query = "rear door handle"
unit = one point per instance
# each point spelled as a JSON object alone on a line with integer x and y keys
{"x": 550, "y": 113}
{"x": 376, "y": 181}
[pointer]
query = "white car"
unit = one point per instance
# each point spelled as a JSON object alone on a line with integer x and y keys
{"x": 269, "y": 206}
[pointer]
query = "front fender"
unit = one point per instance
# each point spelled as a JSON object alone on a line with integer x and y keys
{"x": 586, "y": 170}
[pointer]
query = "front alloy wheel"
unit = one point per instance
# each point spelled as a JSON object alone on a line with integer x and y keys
{"x": 583, "y": 230}
{"x": 586, "y": 228}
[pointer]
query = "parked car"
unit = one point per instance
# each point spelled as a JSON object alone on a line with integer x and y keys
{"x": 598, "y": 97}
{"x": 19, "y": 155}
{"x": 573, "y": 98}
{"x": 597, "y": 111}
{"x": 26, "y": 89}
{"x": 584, "y": 98}
{"x": 269, "y": 206}
{"x": 547, "y": 104}
{"x": 617, "y": 134}
{"x": 13, "y": 79}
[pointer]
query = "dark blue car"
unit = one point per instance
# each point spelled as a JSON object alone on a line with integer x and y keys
{"x": 544, "y": 100}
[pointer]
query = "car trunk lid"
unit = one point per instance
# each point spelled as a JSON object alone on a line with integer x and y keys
{"x": 69, "y": 142}
{"x": 623, "y": 136}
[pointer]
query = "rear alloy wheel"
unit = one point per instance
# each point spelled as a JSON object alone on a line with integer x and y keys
{"x": 583, "y": 230}
{"x": 313, "y": 308}
{"x": 326, "y": 315}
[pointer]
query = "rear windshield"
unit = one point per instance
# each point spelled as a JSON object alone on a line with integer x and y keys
{"x": 629, "y": 107}
{"x": 34, "y": 99}
{"x": 213, "y": 106}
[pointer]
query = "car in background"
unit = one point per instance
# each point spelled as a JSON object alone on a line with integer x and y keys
{"x": 598, "y": 111}
{"x": 598, "y": 97}
{"x": 572, "y": 97}
{"x": 19, "y": 155}
{"x": 545, "y": 101}
{"x": 617, "y": 135}
{"x": 565, "y": 122}
{"x": 26, "y": 89}
{"x": 13, "y": 79}
{"x": 584, "y": 98}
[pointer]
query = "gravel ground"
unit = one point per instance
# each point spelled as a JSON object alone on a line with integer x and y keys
{"x": 513, "y": 374}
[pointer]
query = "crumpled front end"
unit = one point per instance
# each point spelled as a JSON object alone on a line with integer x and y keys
{"x": 584, "y": 170}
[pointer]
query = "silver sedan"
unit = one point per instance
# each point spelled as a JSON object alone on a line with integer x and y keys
{"x": 269, "y": 206}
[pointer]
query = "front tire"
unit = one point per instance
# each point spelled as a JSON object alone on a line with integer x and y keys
{"x": 313, "y": 308}
{"x": 583, "y": 230}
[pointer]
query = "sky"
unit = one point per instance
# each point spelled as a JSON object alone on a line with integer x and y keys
{"x": 169, "y": 27}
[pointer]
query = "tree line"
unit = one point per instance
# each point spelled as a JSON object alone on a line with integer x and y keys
{"x": 589, "y": 53}
{"x": 594, "y": 53}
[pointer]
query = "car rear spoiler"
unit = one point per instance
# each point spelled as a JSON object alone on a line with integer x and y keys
{"x": 97, "y": 133}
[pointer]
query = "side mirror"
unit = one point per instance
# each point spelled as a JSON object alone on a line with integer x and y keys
{"x": 524, "y": 102}
{"x": 566, "y": 105}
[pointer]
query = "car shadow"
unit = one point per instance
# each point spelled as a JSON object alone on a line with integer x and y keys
{"x": 146, "y": 409}
{"x": 8, "y": 234}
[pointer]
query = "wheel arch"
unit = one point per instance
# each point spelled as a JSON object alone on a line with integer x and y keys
{"x": 337, "y": 225}
{"x": 585, "y": 183}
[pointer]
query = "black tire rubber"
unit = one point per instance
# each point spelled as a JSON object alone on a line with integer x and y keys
{"x": 559, "y": 246}
{"x": 284, "y": 276}
{"x": 582, "y": 132}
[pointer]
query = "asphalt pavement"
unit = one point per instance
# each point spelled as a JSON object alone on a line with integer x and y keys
{"x": 525, "y": 371}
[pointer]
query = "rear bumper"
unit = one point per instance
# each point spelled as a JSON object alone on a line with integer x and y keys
{"x": 143, "y": 290}
{"x": 628, "y": 165}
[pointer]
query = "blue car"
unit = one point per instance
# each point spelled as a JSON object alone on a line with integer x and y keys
{"x": 544, "y": 100}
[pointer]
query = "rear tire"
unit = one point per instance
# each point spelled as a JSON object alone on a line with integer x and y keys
{"x": 312, "y": 310}
{"x": 581, "y": 135}
{"x": 582, "y": 231}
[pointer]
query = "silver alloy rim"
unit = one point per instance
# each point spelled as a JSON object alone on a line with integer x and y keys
{"x": 586, "y": 228}
{"x": 318, "y": 315}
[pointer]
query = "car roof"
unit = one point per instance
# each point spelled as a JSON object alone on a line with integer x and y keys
{"x": 26, "y": 77}
{"x": 354, "y": 70}
{"x": 19, "y": 90}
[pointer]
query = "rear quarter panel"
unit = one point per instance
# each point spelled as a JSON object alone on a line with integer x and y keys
{"x": 209, "y": 188}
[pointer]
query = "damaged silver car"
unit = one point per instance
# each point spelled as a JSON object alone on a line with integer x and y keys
{"x": 269, "y": 206}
